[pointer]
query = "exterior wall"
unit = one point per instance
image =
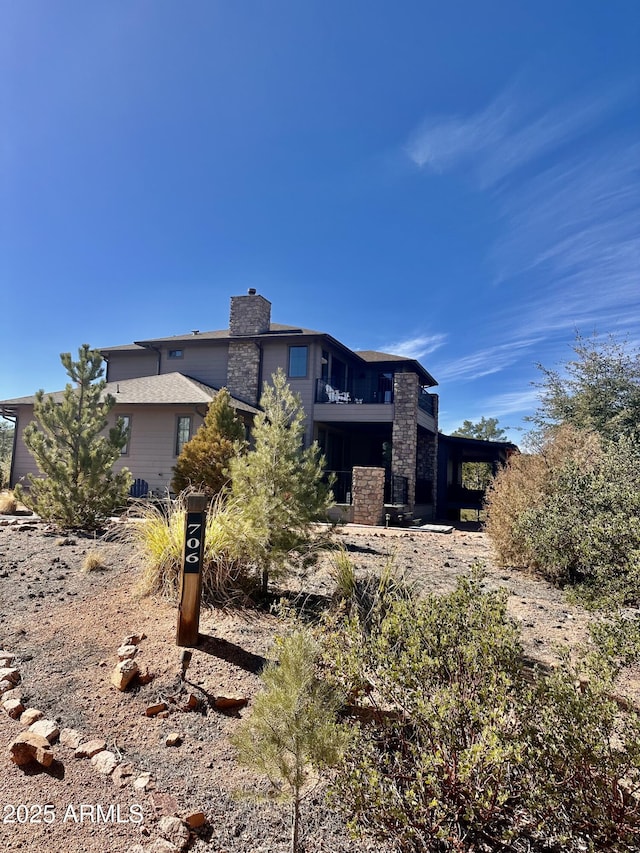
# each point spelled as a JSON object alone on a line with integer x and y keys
{"x": 131, "y": 365}
{"x": 151, "y": 447}
{"x": 23, "y": 462}
{"x": 243, "y": 371}
{"x": 276, "y": 355}
{"x": 205, "y": 362}
{"x": 405, "y": 430}
{"x": 250, "y": 315}
{"x": 368, "y": 495}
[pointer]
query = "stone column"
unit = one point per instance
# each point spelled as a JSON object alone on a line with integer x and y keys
{"x": 368, "y": 495}
{"x": 243, "y": 371}
{"x": 405, "y": 431}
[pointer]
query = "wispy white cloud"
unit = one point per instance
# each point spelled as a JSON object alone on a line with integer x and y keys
{"x": 415, "y": 347}
{"x": 496, "y": 141}
{"x": 569, "y": 241}
{"x": 571, "y": 238}
{"x": 483, "y": 362}
{"x": 512, "y": 403}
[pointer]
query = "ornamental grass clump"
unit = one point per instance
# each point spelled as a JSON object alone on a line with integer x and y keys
{"x": 228, "y": 574}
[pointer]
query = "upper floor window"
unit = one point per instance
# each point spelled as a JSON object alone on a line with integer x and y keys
{"x": 298, "y": 357}
{"x": 175, "y": 353}
{"x": 183, "y": 432}
{"x": 126, "y": 420}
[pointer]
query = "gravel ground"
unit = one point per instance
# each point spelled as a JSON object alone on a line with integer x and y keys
{"x": 64, "y": 626}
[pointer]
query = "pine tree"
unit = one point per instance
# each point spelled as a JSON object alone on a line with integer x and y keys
{"x": 280, "y": 482}
{"x": 292, "y": 731}
{"x": 68, "y": 441}
{"x": 204, "y": 461}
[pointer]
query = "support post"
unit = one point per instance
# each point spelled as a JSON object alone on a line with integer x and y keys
{"x": 191, "y": 573}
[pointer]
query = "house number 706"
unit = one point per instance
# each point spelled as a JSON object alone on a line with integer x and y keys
{"x": 192, "y": 546}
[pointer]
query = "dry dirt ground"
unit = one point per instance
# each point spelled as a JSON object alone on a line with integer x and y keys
{"x": 64, "y": 626}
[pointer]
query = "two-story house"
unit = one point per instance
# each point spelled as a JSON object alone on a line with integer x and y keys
{"x": 364, "y": 408}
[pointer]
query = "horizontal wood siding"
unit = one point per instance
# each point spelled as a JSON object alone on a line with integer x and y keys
{"x": 152, "y": 442}
{"x": 354, "y": 413}
{"x": 151, "y": 445}
{"x": 23, "y": 461}
{"x": 275, "y": 355}
{"x": 206, "y": 363}
{"x": 427, "y": 421}
{"x": 131, "y": 365}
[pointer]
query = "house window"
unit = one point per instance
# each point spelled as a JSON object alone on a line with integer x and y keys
{"x": 298, "y": 362}
{"x": 183, "y": 432}
{"x": 175, "y": 353}
{"x": 126, "y": 421}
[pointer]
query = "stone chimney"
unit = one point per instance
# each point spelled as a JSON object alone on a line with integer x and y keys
{"x": 250, "y": 314}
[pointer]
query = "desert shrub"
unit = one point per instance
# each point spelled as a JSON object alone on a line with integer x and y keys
{"x": 8, "y": 504}
{"x": 524, "y": 484}
{"x": 228, "y": 572}
{"x": 582, "y": 525}
{"x": 204, "y": 461}
{"x": 292, "y": 733}
{"x": 466, "y": 754}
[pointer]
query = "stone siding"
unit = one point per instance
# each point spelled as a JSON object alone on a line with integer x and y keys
{"x": 243, "y": 371}
{"x": 250, "y": 315}
{"x": 368, "y": 495}
{"x": 405, "y": 430}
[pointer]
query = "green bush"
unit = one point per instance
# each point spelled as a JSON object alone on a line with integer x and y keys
{"x": 572, "y": 511}
{"x": 466, "y": 754}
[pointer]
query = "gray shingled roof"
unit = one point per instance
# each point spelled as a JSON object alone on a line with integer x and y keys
{"x": 165, "y": 389}
{"x": 223, "y": 334}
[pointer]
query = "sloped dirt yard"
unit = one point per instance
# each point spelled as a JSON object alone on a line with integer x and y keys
{"x": 64, "y": 626}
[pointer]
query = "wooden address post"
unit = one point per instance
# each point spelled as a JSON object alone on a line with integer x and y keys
{"x": 191, "y": 573}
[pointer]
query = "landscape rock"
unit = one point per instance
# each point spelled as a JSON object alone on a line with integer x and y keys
{"x": 13, "y": 707}
{"x": 30, "y": 716}
{"x": 28, "y": 747}
{"x": 145, "y": 676}
{"x": 195, "y": 820}
{"x": 70, "y": 737}
{"x": 127, "y": 652}
{"x": 174, "y": 830}
{"x": 230, "y": 703}
{"x": 152, "y": 710}
{"x": 124, "y": 673}
{"x": 5, "y": 686}
{"x": 134, "y": 639}
{"x": 6, "y": 658}
{"x": 90, "y": 748}
{"x": 173, "y": 739}
{"x": 46, "y": 728}
{"x": 136, "y": 848}
{"x": 105, "y": 762}
{"x": 143, "y": 782}
{"x": 191, "y": 704}
{"x": 121, "y": 775}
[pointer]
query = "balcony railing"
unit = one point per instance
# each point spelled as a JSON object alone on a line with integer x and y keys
{"x": 361, "y": 391}
{"x": 396, "y": 489}
{"x": 358, "y": 391}
{"x": 425, "y": 402}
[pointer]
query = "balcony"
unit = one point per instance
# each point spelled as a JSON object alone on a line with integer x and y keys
{"x": 358, "y": 392}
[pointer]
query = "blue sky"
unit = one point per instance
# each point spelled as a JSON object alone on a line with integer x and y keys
{"x": 455, "y": 181}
